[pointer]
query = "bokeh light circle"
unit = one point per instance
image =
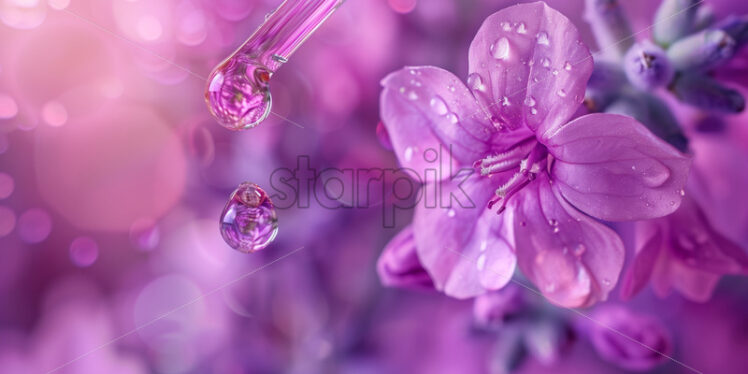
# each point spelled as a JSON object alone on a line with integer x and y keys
{"x": 110, "y": 170}
{"x": 34, "y": 226}
{"x": 7, "y": 221}
{"x": 84, "y": 251}
{"x": 7, "y": 185}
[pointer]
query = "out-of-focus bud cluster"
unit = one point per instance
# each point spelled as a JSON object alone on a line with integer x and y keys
{"x": 687, "y": 45}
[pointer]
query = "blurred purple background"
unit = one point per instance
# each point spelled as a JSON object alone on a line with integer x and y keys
{"x": 113, "y": 174}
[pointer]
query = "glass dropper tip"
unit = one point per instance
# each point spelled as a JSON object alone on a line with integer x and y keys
{"x": 238, "y": 93}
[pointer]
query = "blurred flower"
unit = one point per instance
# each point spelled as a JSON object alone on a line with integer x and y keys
{"x": 399, "y": 266}
{"x": 683, "y": 252}
{"x": 628, "y": 339}
{"x": 547, "y": 172}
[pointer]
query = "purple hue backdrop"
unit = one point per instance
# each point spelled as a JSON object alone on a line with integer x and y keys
{"x": 113, "y": 175}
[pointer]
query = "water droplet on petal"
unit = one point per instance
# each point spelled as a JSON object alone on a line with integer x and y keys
{"x": 561, "y": 93}
{"x": 580, "y": 249}
{"x": 554, "y": 72}
{"x": 453, "y": 119}
{"x": 451, "y": 213}
{"x": 412, "y": 95}
{"x": 481, "y": 262}
{"x": 543, "y": 38}
{"x": 506, "y": 26}
{"x": 408, "y": 154}
{"x": 533, "y": 111}
{"x": 521, "y": 28}
{"x": 530, "y": 101}
{"x": 682, "y": 192}
{"x": 545, "y": 62}
{"x": 415, "y": 82}
{"x": 606, "y": 281}
{"x": 475, "y": 81}
{"x": 556, "y": 230}
{"x": 438, "y": 105}
{"x": 567, "y": 66}
{"x": 500, "y": 49}
{"x": 505, "y": 101}
{"x": 249, "y": 222}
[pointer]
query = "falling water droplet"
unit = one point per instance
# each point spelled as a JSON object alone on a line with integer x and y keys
{"x": 500, "y": 49}
{"x": 438, "y": 105}
{"x": 543, "y": 38}
{"x": 248, "y": 222}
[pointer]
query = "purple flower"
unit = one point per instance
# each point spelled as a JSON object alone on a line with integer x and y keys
{"x": 630, "y": 340}
{"x": 399, "y": 266}
{"x": 528, "y": 71}
{"x": 682, "y": 252}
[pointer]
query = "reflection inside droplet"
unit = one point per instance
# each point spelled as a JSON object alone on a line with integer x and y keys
{"x": 249, "y": 222}
{"x": 238, "y": 94}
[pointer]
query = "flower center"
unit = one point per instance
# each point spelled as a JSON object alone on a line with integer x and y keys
{"x": 527, "y": 158}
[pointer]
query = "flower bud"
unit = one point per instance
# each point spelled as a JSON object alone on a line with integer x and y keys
{"x": 609, "y": 25}
{"x": 736, "y": 27}
{"x": 704, "y": 18}
{"x": 399, "y": 266}
{"x": 606, "y": 81}
{"x": 647, "y": 66}
{"x": 492, "y": 309}
{"x": 701, "y": 51}
{"x": 630, "y": 340}
{"x": 706, "y": 93}
{"x": 654, "y": 114}
{"x": 547, "y": 339}
{"x": 674, "y": 19}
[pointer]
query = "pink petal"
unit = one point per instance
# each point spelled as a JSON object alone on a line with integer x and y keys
{"x": 529, "y": 67}
{"x": 465, "y": 247}
{"x": 693, "y": 241}
{"x": 650, "y": 241}
{"x": 427, "y": 108}
{"x": 399, "y": 266}
{"x": 574, "y": 260}
{"x": 611, "y": 167}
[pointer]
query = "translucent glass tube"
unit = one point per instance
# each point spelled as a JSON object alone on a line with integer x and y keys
{"x": 238, "y": 93}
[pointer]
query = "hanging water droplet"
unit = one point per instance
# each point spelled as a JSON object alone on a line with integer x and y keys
{"x": 248, "y": 222}
{"x": 439, "y": 106}
{"x": 543, "y": 38}
{"x": 567, "y": 66}
{"x": 561, "y": 93}
{"x": 521, "y": 28}
{"x": 475, "y": 81}
{"x": 500, "y": 49}
{"x": 530, "y": 101}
